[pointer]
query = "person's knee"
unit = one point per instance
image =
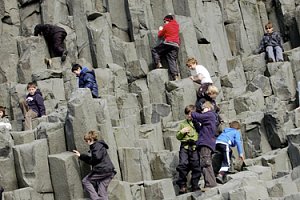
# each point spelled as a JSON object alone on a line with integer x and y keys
{"x": 206, "y": 162}
{"x": 85, "y": 181}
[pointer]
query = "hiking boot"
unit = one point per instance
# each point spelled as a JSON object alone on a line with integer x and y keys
{"x": 159, "y": 65}
{"x": 195, "y": 189}
{"x": 64, "y": 56}
{"x": 183, "y": 190}
{"x": 205, "y": 189}
{"x": 48, "y": 62}
{"x": 220, "y": 179}
{"x": 176, "y": 78}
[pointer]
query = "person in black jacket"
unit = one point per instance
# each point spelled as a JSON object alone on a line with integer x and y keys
{"x": 33, "y": 106}
{"x": 1, "y": 191}
{"x": 54, "y": 36}
{"x": 103, "y": 169}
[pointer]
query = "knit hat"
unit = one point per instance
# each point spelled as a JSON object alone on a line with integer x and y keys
{"x": 168, "y": 18}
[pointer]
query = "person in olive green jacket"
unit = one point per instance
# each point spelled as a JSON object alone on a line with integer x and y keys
{"x": 188, "y": 156}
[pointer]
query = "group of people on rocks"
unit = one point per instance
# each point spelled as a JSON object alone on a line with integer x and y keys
{"x": 199, "y": 136}
{"x": 168, "y": 47}
{"x": 197, "y": 133}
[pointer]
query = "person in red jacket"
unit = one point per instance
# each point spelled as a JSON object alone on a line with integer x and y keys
{"x": 169, "y": 34}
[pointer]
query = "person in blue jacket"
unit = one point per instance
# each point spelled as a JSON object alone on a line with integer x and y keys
{"x": 205, "y": 125}
{"x": 87, "y": 78}
{"x": 230, "y": 137}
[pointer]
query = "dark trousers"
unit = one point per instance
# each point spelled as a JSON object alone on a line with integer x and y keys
{"x": 188, "y": 161}
{"x": 1, "y": 191}
{"x": 206, "y": 167}
{"x": 171, "y": 54}
{"x": 226, "y": 156}
{"x": 56, "y": 45}
{"x": 96, "y": 185}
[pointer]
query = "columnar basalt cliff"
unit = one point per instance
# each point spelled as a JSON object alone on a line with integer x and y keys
{"x": 140, "y": 108}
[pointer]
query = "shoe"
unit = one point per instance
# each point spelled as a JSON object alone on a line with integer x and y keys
{"x": 48, "y": 62}
{"x": 159, "y": 65}
{"x": 183, "y": 190}
{"x": 195, "y": 189}
{"x": 280, "y": 60}
{"x": 270, "y": 60}
{"x": 205, "y": 189}
{"x": 176, "y": 78}
{"x": 64, "y": 56}
{"x": 220, "y": 179}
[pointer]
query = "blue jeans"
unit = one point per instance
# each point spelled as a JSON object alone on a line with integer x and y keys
{"x": 278, "y": 53}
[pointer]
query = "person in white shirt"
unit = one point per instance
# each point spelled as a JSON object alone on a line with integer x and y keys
{"x": 4, "y": 121}
{"x": 199, "y": 74}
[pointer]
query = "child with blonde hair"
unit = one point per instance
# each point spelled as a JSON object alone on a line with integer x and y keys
{"x": 205, "y": 124}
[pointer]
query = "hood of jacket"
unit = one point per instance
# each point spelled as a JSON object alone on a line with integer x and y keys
{"x": 102, "y": 143}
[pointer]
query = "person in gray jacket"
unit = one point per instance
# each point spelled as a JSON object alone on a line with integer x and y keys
{"x": 271, "y": 44}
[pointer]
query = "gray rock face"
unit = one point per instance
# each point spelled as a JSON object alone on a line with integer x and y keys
{"x": 32, "y": 165}
{"x": 140, "y": 107}
{"x": 65, "y": 175}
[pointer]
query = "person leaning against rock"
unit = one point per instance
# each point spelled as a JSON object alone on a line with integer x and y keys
{"x": 33, "y": 106}
{"x": 87, "y": 78}
{"x": 199, "y": 74}
{"x": 169, "y": 47}
{"x": 103, "y": 169}
{"x": 54, "y": 36}
{"x": 230, "y": 137}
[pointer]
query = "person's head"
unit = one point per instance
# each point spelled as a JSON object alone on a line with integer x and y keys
{"x": 168, "y": 18}
{"x": 269, "y": 27}
{"x": 212, "y": 91}
{"x": 91, "y": 137}
{"x": 235, "y": 124}
{"x": 191, "y": 63}
{"x": 76, "y": 69}
{"x": 188, "y": 110}
{"x": 207, "y": 106}
{"x": 31, "y": 88}
{"x": 38, "y": 29}
{"x": 2, "y": 111}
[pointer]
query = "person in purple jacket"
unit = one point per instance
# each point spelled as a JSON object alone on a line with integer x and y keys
{"x": 33, "y": 106}
{"x": 230, "y": 137}
{"x": 205, "y": 124}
